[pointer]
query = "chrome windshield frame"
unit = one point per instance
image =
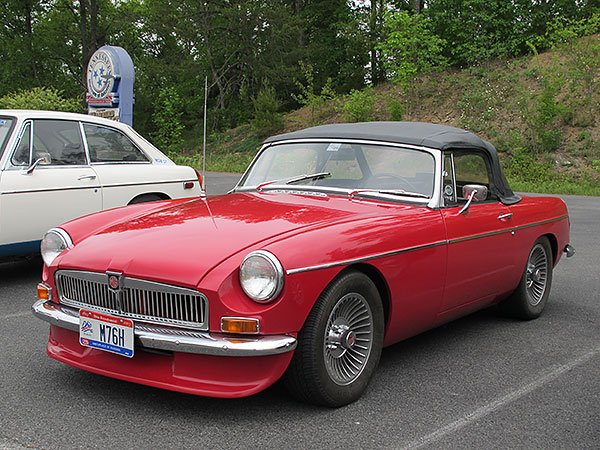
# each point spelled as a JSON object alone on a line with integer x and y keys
{"x": 434, "y": 202}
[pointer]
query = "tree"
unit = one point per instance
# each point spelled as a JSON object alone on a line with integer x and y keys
{"x": 409, "y": 47}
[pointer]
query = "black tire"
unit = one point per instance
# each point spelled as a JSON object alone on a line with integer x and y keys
{"x": 529, "y": 299}
{"x": 145, "y": 198}
{"x": 340, "y": 343}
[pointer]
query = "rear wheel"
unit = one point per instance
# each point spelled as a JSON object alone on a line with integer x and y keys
{"x": 530, "y": 297}
{"x": 340, "y": 344}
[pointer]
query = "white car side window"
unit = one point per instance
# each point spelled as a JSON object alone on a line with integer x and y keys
{"x": 58, "y": 142}
{"x": 108, "y": 145}
{"x": 21, "y": 155}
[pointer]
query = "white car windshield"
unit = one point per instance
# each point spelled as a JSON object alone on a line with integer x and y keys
{"x": 5, "y": 127}
{"x": 353, "y": 166}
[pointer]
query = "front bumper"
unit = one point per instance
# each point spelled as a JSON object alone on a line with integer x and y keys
{"x": 176, "y": 340}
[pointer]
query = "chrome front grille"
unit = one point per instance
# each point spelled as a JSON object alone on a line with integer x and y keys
{"x": 134, "y": 298}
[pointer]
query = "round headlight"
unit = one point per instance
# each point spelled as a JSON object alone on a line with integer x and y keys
{"x": 55, "y": 241}
{"x": 261, "y": 276}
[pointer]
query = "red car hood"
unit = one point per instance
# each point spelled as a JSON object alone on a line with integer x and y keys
{"x": 180, "y": 243}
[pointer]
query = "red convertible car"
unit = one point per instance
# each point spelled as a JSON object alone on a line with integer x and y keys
{"x": 337, "y": 241}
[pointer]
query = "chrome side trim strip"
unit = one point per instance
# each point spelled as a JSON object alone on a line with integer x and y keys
{"x": 364, "y": 258}
{"x": 482, "y": 235}
{"x": 98, "y": 186}
{"x": 542, "y": 222}
{"x": 507, "y": 230}
{"x": 419, "y": 247}
{"x": 177, "y": 340}
{"x": 68, "y": 188}
{"x": 149, "y": 183}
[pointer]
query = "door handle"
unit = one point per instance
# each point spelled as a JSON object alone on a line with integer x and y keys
{"x": 86, "y": 177}
{"x": 505, "y": 216}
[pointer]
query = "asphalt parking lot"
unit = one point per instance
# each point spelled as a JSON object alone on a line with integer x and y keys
{"x": 481, "y": 382}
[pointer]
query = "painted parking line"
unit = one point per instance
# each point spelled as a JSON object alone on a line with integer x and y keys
{"x": 15, "y": 315}
{"x": 489, "y": 408}
{"x": 8, "y": 445}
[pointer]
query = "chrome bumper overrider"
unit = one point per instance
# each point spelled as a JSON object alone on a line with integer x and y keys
{"x": 176, "y": 339}
{"x": 569, "y": 250}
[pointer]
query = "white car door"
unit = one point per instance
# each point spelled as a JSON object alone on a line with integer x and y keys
{"x": 48, "y": 181}
{"x": 125, "y": 172}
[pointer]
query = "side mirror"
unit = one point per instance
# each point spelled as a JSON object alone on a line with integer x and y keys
{"x": 481, "y": 192}
{"x": 473, "y": 192}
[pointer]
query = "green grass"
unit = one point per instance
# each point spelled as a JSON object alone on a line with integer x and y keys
{"x": 567, "y": 187}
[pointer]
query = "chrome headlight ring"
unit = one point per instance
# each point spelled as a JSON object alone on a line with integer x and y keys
{"x": 261, "y": 276}
{"x": 55, "y": 241}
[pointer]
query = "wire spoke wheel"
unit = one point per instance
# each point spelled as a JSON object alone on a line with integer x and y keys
{"x": 537, "y": 274}
{"x": 348, "y": 338}
{"x": 529, "y": 299}
{"x": 340, "y": 343}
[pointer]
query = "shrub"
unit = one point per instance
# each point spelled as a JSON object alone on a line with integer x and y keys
{"x": 309, "y": 94}
{"x": 40, "y": 98}
{"x": 167, "y": 119}
{"x": 359, "y": 105}
{"x": 395, "y": 109}
{"x": 266, "y": 104}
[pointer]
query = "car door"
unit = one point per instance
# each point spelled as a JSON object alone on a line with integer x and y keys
{"x": 123, "y": 169}
{"x": 48, "y": 181}
{"x": 481, "y": 241}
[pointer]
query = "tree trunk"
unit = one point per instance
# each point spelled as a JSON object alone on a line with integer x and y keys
{"x": 374, "y": 40}
{"x": 85, "y": 44}
{"x": 417, "y": 6}
{"x": 29, "y": 31}
{"x": 95, "y": 44}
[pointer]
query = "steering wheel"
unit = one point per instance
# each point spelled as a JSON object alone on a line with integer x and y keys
{"x": 399, "y": 181}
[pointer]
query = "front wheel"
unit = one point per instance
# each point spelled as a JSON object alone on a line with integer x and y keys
{"x": 340, "y": 344}
{"x": 529, "y": 299}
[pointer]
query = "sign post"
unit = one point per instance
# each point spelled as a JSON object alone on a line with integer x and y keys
{"x": 110, "y": 78}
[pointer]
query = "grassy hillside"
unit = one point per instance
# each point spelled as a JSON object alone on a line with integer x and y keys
{"x": 541, "y": 112}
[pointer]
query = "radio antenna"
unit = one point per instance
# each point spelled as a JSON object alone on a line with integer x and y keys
{"x": 204, "y": 137}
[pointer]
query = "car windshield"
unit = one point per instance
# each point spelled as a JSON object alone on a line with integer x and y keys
{"x": 359, "y": 168}
{"x": 5, "y": 127}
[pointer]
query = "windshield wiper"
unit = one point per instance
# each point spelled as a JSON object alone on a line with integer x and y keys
{"x": 296, "y": 179}
{"x": 400, "y": 192}
{"x": 313, "y": 177}
{"x": 403, "y": 193}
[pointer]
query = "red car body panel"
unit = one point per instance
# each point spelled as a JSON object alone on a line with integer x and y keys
{"x": 215, "y": 376}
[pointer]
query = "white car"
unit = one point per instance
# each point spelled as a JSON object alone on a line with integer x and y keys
{"x": 57, "y": 166}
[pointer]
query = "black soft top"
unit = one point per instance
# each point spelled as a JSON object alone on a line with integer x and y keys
{"x": 441, "y": 137}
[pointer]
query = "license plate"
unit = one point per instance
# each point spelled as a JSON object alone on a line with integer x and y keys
{"x": 106, "y": 332}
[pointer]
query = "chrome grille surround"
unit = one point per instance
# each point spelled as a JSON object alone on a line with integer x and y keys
{"x": 146, "y": 301}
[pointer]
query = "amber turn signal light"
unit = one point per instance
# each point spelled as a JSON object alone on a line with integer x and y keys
{"x": 43, "y": 292}
{"x": 240, "y": 325}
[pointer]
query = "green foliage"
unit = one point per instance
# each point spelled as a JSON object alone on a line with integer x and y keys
{"x": 544, "y": 114}
{"x": 409, "y": 47}
{"x": 563, "y": 30}
{"x": 266, "y": 105}
{"x": 309, "y": 94}
{"x": 478, "y": 30}
{"x": 395, "y": 109}
{"x": 359, "y": 105}
{"x": 167, "y": 120}
{"x": 40, "y": 98}
{"x": 522, "y": 166}
{"x": 583, "y": 65}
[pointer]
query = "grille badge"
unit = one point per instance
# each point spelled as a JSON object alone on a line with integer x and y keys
{"x": 113, "y": 282}
{"x": 116, "y": 285}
